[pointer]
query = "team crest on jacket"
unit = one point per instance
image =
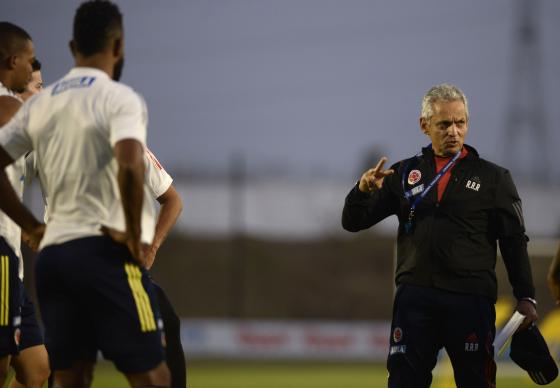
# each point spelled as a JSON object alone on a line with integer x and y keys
{"x": 473, "y": 183}
{"x": 397, "y": 335}
{"x": 414, "y": 176}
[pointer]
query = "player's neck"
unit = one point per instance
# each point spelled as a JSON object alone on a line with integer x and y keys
{"x": 6, "y": 79}
{"x": 96, "y": 61}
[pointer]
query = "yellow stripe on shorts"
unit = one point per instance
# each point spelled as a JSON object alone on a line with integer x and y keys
{"x": 5, "y": 292}
{"x": 143, "y": 306}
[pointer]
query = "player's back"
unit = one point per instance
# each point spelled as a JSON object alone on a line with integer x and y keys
{"x": 72, "y": 125}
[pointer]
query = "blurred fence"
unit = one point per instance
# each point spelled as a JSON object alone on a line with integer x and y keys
{"x": 316, "y": 340}
{"x": 282, "y": 208}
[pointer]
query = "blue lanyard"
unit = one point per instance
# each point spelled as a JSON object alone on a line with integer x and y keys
{"x": 419, "y": 198}
{"x": 436, "y": 179}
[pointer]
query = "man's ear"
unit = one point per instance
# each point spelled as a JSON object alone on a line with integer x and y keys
{"x": 72, "y": 46}
{"x": 10, "y": 62}
{"x": 424, "y": 125}
{"x": 118, "y": 47}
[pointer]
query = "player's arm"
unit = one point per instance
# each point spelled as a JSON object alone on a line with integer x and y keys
{"x": 513, "y": 246}
{"x": 127, "y": 119}
{"x": 554, "y": 277}
{"x": 171, "y": 207}
{"x": 11, "y": 205}
{"x": 8, "y": 107}
{"x": 14, "y": 143}
{"x": 129, "y": 154}
{"x": 370, "y": 201}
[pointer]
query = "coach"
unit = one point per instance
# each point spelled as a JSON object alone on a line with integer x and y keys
{"x": 453, "y": 209}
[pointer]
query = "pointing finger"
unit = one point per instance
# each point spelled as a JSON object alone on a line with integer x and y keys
{"x": 380, "y": 164}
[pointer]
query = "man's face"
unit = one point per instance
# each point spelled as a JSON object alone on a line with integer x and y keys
{"x": 36, "y": 83}
{"x": 34, "y": 86}
{"x": 23, "y": 67}
{"x": 447, "y": 127}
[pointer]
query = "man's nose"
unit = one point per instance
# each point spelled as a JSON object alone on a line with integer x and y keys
{"x": 452, "y": 130}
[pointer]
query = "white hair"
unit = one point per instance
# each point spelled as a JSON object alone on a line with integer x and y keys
{"x": 442, "y": 92}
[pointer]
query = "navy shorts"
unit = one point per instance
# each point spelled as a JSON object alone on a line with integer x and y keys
{"x": 31, "y": 333}
{"x": 425, "y": 320}
{"x": 94, "y": 297}
{"x": 10, "y": 301}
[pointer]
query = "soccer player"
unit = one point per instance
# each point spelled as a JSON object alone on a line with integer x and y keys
{"x": 88, "y": 133}
{"x": 160, "y": 185}
{"x": 454, "y": 208}
{"x": 20, "y": 335}
{"x": 31, "y": 365}
{"x": 36, "y": 84}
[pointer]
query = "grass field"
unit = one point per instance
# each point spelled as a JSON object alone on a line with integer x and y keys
{"x": 302, "y": 375}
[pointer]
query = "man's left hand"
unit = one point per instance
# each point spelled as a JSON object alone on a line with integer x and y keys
{"x": 149, "y": 256}
{"x": 527, "y": 308}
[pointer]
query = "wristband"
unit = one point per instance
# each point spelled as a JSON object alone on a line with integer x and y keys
{"x": 532, "y": 300}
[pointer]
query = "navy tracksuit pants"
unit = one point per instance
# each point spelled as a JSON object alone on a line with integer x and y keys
{"x": 425, "y": 320}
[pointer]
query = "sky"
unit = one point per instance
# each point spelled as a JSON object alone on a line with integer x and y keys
{"x": 309, "y": 87}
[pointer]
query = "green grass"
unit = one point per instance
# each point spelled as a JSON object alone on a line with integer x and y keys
{"x": 294, "y": 375}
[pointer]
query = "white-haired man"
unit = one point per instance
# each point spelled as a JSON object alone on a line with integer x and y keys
{"x": 453, "y": 208}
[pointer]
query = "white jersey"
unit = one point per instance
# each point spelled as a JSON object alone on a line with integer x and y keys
{"x": 72, "y": 126}
{"x": 157, "y": 180}
{"x": 15, "y": 172}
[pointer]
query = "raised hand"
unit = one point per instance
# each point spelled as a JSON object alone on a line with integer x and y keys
{"x": 372, "y": 179}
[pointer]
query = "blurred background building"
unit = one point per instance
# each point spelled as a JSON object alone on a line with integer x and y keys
{"x": 266, "y": 113}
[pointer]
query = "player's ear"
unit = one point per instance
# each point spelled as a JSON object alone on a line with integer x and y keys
{"x": 424, "y": 125}
{"x": 72, "y": 46}
{"x": 11, "y": 61}
{"x": 118, "y": 47}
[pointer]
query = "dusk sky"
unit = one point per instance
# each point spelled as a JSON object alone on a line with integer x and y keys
{"x": 308, "y": 86}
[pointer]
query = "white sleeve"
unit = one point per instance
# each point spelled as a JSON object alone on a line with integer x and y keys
{"x": 30, "y": 168}
{"x": 31, "y": 172}
{"x": 13, "y": 137}
{"x": 128, "y": 117}
{"x": 157, "y": 179}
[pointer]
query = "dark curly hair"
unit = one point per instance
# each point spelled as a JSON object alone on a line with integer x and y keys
{"x": 96, "y": 22}
{"x": 12, "y": 39}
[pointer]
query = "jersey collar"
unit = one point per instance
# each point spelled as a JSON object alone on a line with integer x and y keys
{"x": 91, "y": 71}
